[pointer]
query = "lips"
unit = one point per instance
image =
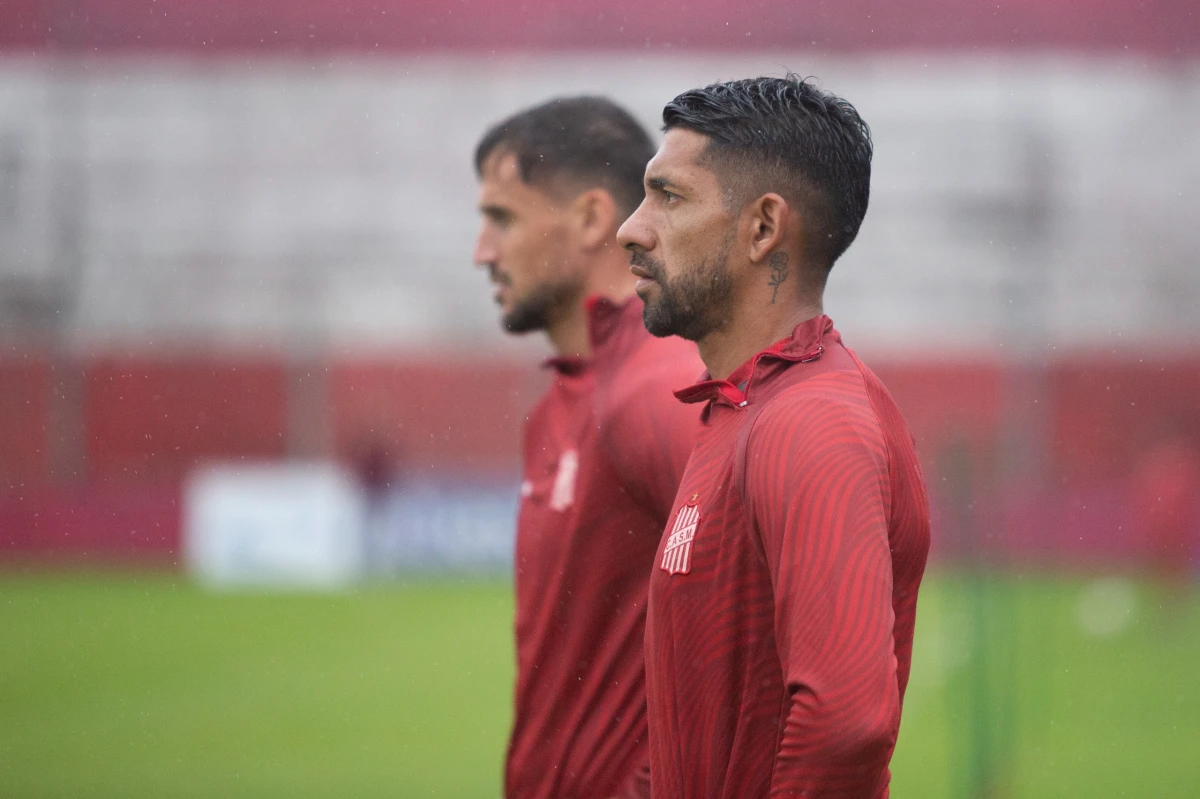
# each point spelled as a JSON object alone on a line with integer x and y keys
{"x": 642, "y": 266}
{"x": 646, "y": 272}
{"x": 500, "y": 283}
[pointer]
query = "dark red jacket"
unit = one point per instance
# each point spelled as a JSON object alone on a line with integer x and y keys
{"x": 784, "y": 594}
{"x": 603, "y": 453}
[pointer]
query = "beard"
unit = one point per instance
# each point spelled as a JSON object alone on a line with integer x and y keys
{"x": 535, "y": 310}
{"x": 693, "y": 304}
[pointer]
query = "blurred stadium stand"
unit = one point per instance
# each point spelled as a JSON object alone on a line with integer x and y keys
{"x": 243, "y": 231}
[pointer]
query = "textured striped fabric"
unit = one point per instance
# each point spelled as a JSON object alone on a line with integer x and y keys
{"x": 777, "y": 660}
{"x": 603, "y": 454}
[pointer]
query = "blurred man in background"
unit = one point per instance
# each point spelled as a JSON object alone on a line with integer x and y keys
{"x": 603, "y": 450}
{"x": 783, "y": 597}
{"x": 1165, "y": 486}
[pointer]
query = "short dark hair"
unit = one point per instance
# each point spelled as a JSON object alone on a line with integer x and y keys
{"x": 588, "y": 140}
{"x": 785, "y": 133}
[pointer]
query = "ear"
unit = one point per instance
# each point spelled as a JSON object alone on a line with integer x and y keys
{"x": 769, "y": 218}
{"x": 594, "y": 214}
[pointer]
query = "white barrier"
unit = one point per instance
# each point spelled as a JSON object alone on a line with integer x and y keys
{"x": 311, "y": 525}
{"x": 274, "y": 525}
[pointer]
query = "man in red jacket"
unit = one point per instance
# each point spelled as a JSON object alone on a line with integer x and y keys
{"x": 603, "y": 449}
{"x": 784, "y": 592}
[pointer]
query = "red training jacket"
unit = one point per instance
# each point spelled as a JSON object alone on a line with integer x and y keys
{"x": 784, "y": 595}
{"x": 603, "y": 451}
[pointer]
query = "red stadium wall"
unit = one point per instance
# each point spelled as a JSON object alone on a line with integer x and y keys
{"x": 26, "y": 382}
{"x": 1168, "y": 28}
{"x": 92, "y": 523}
{"x": 148, "y": 419}
{"x": 1108, "y": 412}
{"x": 431, "y": 416}
{"x": 152, "y": 419}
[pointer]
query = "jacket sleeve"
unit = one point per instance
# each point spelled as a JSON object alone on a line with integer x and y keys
{"x": 817, "y": 485}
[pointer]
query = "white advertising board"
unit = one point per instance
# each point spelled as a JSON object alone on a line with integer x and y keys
{"x": 274, "y": 525}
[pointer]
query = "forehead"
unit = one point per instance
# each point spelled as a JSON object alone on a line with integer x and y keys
{"x": 500, "y": 165}
{"x": 681, "y": 155}
{"x": 500, "y": 181}
{"x": 501, "y": 172}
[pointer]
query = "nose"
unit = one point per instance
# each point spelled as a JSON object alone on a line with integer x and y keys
{"x": 635, "y": 234}
{"x": 486, "y": 254}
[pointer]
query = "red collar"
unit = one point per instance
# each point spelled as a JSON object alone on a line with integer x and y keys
{"x": 807, "y": 343}
{"x": 604, "y": 319}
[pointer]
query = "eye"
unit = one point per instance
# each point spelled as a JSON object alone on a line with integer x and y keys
{"x": 670, "y": 197}
{"x": 499, "y": 217}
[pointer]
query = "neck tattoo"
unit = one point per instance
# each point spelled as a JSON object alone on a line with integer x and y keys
{"x": 779, "y": 273}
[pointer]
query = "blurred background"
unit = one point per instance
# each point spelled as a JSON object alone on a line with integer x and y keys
{"x": 259, "y": 425}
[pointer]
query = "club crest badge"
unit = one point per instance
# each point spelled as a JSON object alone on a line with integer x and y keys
{"x": 562, "y": 496}
{"x": 677, "y": 554}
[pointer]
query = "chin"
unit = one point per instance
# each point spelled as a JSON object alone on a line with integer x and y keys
{"x": 657, "y": 324}
{"x": 522, "y": 319}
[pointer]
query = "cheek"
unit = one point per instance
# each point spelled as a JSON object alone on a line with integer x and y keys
{"x": 531, "y": 255}
{"x": 678, "y": 247}
{"x": 692, "y": 238}
{"x": 548, "y": 248}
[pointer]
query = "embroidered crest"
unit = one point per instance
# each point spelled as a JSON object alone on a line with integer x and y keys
{"x": 677, "y": 554}
{"x": 562, "y": 496}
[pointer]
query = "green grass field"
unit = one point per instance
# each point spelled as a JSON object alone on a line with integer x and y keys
{"x": 146, "y": 686}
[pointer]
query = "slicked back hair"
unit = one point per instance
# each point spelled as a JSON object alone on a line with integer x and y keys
{"x": 787, "y": 136}
{"x": 575, "y": 141}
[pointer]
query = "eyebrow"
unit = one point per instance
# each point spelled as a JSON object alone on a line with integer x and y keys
{"x": 494, "y": 211}
{"x": 660, "y": 183}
